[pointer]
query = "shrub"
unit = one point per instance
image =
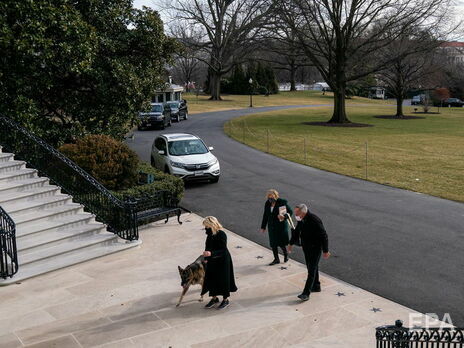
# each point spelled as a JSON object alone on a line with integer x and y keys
{"x": 109, "y": 161}
{"x": 162, "y": 182}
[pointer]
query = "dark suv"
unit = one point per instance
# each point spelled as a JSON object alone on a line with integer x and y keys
{"x": 453, "y": 102}
{"x": 179, "y": 110}
{"x": 158, "y": 116}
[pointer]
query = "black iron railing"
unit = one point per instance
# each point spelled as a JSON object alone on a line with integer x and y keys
{"x": 397, "y": 336}
{"x": 118, "y": 215}
{"x": 8, "y": 252}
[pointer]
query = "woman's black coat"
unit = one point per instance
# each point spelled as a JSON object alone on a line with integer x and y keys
{"x": 219, "y": 276}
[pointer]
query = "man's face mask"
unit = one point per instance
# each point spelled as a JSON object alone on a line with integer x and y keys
{"x": 298, "y": 218}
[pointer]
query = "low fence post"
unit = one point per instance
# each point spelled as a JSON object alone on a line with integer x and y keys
{"x": 304, "y": 149}
{"x": 267, "y": 141}
{"x": 243, "y": 131}
{"x": 367, "y": 150}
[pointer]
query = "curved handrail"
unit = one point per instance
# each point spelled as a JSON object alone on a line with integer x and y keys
{"x": 8, "y": 252}
{"x": 63, "y": 158}
{"x": 118, "y": 215}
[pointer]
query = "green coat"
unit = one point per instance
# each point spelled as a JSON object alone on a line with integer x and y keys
{"x": 278, "y": 231}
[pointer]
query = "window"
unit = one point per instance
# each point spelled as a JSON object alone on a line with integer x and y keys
{"x": 156, "y": 108}
{"x": 173, "y": 104}
{"x": 160, "y": 144}
{"x": 187, "y": 147}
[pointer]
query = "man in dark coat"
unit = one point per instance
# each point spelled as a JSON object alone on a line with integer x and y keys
{"x": 311, "y": 235}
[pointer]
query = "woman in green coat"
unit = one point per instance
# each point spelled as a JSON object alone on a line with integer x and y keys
{"x": 276, "y": 212}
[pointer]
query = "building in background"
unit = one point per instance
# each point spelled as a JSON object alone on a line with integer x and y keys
{"x": 377, "y": 92}
{"x": 454, "y": 50}
{"x": 169, "y": 93}
{"x": 320, "y": 86}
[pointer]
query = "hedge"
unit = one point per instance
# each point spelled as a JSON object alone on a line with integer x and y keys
{"x": 108, "y": 160}
{"x": 162, "y": 182}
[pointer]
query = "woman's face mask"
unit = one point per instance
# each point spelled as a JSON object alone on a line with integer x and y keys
{"x": 208, "y": 230}
{"x": 271, "y": 200}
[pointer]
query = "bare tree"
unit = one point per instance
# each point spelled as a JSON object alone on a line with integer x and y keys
{"x": 228, "y": 30}
{"x": 282, "y": 49}
{"x": 344, "y": 38}
{"x": 187, "y": 65}
{"x": 413, "y": 63}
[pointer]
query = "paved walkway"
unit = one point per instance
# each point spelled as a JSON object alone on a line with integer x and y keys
{"x": 382, "y": 238}
{"x": 128, "y": 300}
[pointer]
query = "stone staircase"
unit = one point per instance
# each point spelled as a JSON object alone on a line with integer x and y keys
{"x": 52, "y": 231}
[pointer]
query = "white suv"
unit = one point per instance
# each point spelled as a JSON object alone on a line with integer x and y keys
{"x": 186, "y": 156}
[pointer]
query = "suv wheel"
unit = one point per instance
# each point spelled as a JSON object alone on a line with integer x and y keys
{"x": 152, "y": 161}
{"x": 166, "y": 170}
{"x": 170, "y": 123}
{"x": 186, "y": 116}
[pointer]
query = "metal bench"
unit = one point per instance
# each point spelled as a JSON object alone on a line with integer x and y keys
{"x": 161, "y": 204}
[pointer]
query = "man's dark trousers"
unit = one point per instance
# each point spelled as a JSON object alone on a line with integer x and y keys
{"x": 312, "y": 257}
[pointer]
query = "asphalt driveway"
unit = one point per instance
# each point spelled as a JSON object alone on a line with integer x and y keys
{"x": 402, "y": 245}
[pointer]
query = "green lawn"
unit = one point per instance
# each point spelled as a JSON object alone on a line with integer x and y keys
{"x": 423, "y": 155}
{"x": 202, "y": 104}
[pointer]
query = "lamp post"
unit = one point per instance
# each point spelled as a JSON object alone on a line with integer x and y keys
{"x": 251, "y": 92}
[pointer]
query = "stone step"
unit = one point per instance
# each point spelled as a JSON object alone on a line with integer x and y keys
{"x": 37, "y": 204}
{"x": 39, "y": 216}
{"x": 60, "y": 225}
{"x": 65, "y": 247}
{"x": 11, "y": 166}
{"x": 25, "y": 173}
{"x": 22, "y": 185}
{"x": 53, "y": 237}
{"x": 52, "y": 231}
{"x": 38, "y": 192}
{"x": 5, "y": 157}
{"x": 64, "y": 260}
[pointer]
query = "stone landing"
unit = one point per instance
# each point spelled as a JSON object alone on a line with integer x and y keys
{"x": 128, "y": 300}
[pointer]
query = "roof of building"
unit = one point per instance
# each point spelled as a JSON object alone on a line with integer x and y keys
{"x": 171, "y": 88}
{"x": 452, "y": 44}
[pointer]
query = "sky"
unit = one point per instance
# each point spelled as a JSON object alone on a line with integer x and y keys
{"x": 152, "y": 4}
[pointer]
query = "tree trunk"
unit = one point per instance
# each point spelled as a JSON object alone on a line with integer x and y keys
{"x": 215, "y": 86}
{"x": 339, "y": 113}
{"x": 292, "y": 78}
{"x": 399, "y": 107}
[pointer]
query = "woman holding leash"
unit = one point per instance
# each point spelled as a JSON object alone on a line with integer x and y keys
{"x": 276, "y": 212}
{"x": 219, "y": 275}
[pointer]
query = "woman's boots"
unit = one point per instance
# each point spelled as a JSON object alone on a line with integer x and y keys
{"x": 275, "y": 251}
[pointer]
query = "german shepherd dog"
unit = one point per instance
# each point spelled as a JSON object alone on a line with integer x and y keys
{"x": 192, "y": 274}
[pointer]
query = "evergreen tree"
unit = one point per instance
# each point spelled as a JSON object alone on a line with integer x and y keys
{"x": 71, "y": 68}
{"x": 271, "y": 81}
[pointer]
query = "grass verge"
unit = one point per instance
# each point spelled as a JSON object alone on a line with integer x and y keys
{"x": 423, "y": 155}
{"x": 203, "y": 104}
